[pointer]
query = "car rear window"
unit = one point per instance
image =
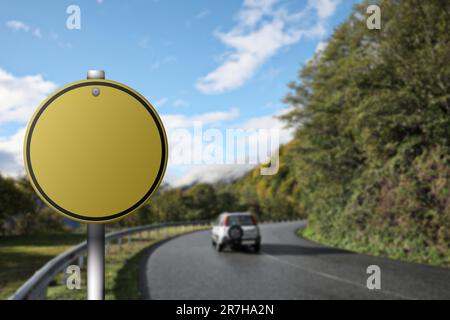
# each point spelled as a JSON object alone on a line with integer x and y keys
{"x": 244, "y": 220}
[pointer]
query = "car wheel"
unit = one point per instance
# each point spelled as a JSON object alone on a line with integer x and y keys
{"x": 257, "y": 247}
{"x": 219, "y": 247}
{"x": 213, "y": 243}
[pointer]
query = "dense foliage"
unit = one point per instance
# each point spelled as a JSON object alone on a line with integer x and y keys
{"x": 369, "y": 164}
{"x": 271, "y": 197}
{"x": 22, "y": 212}
{"x": 198, "y": 202}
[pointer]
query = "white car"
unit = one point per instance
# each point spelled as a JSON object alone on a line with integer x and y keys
{"x": 235, "y": 230}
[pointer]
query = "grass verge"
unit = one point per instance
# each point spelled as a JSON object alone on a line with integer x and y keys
{"x": 377, "y": 248}
{"x": 122, "y": 268}
{"x": 21, "y": 256}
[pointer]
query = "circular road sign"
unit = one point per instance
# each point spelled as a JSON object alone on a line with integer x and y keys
{"x": 95, "y": 150}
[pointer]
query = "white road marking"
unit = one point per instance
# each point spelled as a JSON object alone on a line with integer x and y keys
{"x": 330, "y": 276}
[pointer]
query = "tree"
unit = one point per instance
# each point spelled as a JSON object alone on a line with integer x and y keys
{"x": 202, "y": 199}
{"x": 12, "y": 202}
{"x": 372, "y": 113}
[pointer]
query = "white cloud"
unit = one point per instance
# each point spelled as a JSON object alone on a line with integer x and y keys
{"x": 253, "y": 11}
{"x": 325, "y": 8}
{"x": 17, "y": 25}
{"x": 270, "y": 122}
{"x": 177, "y": 121}
{"x": 252, "y": 50}
{"x": 180, "y": 103}
{"x": 20, "y": 96}
{"x": 321, "y": 46}
{"x": 217, "y": 116}
{"x": 196, "y": 173}
{"x": 11, "y": 155}
{"x": 261, "y": 31}
{"x": 209, "y": 174}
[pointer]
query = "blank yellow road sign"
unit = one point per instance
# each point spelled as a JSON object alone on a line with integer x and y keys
{"x": 95, "y": 150}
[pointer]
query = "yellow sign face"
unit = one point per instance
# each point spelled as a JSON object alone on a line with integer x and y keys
{"x": 95, "y": 150}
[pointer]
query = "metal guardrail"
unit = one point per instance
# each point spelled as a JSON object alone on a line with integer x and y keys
{"x": 36, "y": 287}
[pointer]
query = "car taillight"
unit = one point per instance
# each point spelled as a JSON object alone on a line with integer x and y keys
{"x": 254, "y": 220}
{"x": 225, "y": 221}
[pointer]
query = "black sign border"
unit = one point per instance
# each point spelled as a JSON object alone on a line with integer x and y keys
{"x": 161, "y": 167}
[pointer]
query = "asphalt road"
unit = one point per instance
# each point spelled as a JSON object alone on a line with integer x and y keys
{"x": 288, "y": 267}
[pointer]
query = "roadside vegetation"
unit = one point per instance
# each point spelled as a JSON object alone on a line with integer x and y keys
{"x": 122, "y": 267}
{"x": 21, "y": 256}
{"x": 370, "y": 161}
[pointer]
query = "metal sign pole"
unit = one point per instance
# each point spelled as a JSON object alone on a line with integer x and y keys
{"x": 96, "y": 242}
{"x": 96, "y": 261}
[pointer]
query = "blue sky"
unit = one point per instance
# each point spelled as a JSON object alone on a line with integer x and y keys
{"x": 229, "y": 61}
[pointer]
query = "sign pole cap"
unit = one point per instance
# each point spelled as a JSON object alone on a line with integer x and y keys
{"x": 96, "y": 74}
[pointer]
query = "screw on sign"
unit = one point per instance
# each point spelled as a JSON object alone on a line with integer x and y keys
{"x": 95, "y": 151}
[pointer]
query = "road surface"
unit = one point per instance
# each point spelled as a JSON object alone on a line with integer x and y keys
{"x": 288, "y": 267}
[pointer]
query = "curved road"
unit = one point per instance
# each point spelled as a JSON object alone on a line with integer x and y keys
{"x": 288, "y": 267}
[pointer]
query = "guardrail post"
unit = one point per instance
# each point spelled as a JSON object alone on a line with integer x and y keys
{"x": 81, "y": 261}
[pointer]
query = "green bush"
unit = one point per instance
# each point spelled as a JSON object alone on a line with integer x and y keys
{"x": 372, "y": 114}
